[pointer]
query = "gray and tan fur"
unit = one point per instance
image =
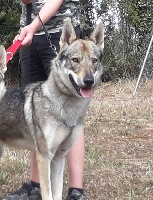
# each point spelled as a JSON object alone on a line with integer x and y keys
{"x": 47, "y": 117}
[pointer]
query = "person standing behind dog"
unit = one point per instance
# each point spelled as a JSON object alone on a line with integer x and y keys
{"x": 35, "y": 62}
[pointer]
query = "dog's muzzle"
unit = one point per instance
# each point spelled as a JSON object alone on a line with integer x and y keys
{"x": 88, "y": 81}
{"x": 86, "y": 90}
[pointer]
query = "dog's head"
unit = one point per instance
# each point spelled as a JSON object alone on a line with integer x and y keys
{"x": 80, "y": 60}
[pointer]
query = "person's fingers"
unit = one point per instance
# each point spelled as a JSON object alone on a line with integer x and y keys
{"x": 25, "y": 36}
{"x": 16, "y": 38}
{"x": 27, "y": 41}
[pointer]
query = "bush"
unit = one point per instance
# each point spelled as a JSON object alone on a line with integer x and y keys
{"x": 9, "y": 20}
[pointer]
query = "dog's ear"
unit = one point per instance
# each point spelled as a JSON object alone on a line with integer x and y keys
{"x": 2, "y": 58}
{"x": 68, "y": 34}
{"x": 97, "y": 36}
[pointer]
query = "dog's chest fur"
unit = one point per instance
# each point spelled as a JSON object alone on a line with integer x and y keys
{"x": 68, "y": 110}
{"x": 72, "y": 111}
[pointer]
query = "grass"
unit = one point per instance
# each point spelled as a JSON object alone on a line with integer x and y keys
{"x": 119, "y": 146}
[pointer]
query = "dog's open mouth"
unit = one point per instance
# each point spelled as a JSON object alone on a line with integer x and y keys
{"x": 85, "y": 92}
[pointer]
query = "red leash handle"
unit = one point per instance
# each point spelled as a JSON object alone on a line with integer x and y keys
{"x": 11, "y": 50}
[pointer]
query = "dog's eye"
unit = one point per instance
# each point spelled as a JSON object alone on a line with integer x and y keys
{"x": 76, "y": 60}
{"x": 95, "y": 60}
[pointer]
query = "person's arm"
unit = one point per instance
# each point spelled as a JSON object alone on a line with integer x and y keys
{"x": 49, "y": 9}
{"x": 26, "y": 1}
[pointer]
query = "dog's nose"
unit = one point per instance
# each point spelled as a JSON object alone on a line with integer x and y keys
{"x": 88, "y": 81}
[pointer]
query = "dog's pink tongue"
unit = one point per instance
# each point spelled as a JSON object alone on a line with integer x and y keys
{"x": 86, "y": 92}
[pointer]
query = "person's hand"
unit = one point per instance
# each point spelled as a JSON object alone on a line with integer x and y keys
{"x": 25, "y": 36}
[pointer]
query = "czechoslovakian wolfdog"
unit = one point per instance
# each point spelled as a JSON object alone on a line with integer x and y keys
{"x": 47, "y": 117}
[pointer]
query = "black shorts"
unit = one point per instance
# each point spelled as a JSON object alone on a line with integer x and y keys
{"x": 35, "y": 61}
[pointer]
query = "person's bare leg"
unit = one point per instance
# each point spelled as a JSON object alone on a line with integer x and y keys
{"x": 75, "y": 161}
{"x": 34, "y": 176}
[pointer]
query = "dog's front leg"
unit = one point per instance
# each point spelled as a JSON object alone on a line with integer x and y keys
{"x": 58, "y": 162}
{"x": 57, "y": 169}
{"x": 43, "y": 164}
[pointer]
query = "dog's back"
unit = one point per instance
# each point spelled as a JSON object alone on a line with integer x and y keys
{"x": 12, "y": 120}
{"x": 13, "y": 103}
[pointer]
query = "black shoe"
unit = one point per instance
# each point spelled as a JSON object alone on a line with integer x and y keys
{"x": 76, "y": 195}
{"x": 25, "y": 192}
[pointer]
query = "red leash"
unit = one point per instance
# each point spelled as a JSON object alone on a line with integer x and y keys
{"x": 11, "y": 50}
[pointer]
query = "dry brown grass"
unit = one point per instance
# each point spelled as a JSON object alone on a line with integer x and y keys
{"x": 119, "y": 146}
